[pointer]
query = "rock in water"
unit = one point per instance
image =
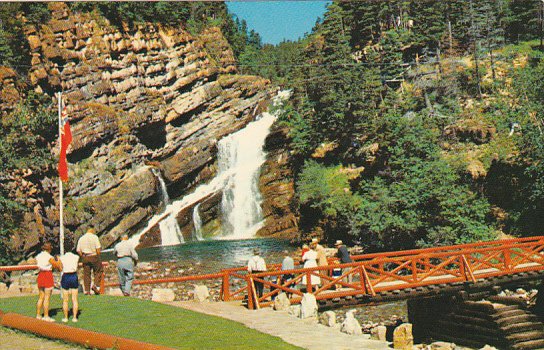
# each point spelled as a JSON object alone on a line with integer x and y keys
{"x": 162, "y": 295}
{"x": 328, "y": 318}
{"x": 281, "y": 302}
{"x": 294, "y": 310}
{"x": 351, "y": 325}
{"x": 402, "y": 337}
{"x": 379, "y": 333}
{"x": 308, "y": 306}
{"x": 201, "y": 293}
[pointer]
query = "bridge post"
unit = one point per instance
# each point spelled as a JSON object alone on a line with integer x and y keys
{"x": 507, "y": 259}
{"x": 308, "y": 282}
{"x": 225, "y": 286}
{"x": 250, "y": 294}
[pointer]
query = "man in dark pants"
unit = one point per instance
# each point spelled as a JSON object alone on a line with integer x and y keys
{"x": 343, "y": 255}
{"x": 88, "y": 247}
{"x": 255, "y": 265}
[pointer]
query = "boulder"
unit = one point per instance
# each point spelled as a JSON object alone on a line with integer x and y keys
{"x": 308, "y": 306}
{"x": 3, "y": 288}
{"x": 294, "y": 310}
{"x": 351, "y": 325}
{"x": 162, "y": 295}
{"x": 114, "y": 292}
{"x": 328, "y": 318}
{"x": 201, "y": 293}
{"x": 402, "y": 337}
{"x": 281, "y": 302}
{"x": 378, "y": 333}
{"x": 488, "y": 347}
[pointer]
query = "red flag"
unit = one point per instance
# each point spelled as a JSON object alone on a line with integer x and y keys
{"x": 65, "y": 140}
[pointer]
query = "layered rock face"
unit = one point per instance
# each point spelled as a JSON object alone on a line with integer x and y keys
{"x": 148, "y": 97}
{"x": 277, "y": 186}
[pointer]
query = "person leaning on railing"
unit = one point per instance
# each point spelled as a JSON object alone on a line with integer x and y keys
{"x": 343, "y": 254}
{"x": 257, "y": 264}
{"x": 88, "y": 247}
{"x": 287, "y": 264}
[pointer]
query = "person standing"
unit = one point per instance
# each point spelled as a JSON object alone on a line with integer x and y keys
{"x": 69, "y": 284}
{"x": 255, "y": 265}
{"x": 126, "y": 259}
{"x": 305, "y": 248}
{"x": 321, "y": 255}
{"x": 88, "y": 247}
{"x": 46, "y": 263}
{"x": 343, "y": 254}
{"x": 287, "y": 264}
{"x": 310, "y": 260}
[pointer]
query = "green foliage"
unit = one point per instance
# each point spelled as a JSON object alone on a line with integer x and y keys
{"x": 14, "y": 51}
{"x": 23, "y": 145}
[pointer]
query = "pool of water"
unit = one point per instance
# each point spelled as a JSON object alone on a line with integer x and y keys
{"x": 215, "y": 254}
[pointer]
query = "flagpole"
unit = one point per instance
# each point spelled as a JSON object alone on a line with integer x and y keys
{"x": 61, "y": 196}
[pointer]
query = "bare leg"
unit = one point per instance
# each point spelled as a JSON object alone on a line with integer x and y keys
{"x": 40, "y": 303}
{"x": 75, "y": 304}
{"x": 65, "y": 308}
{"x": 46, "y": 302}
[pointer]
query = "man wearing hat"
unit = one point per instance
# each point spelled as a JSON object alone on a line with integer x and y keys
{"x": 255, "y": 265}
{"x": 321, "y": 256}
{"x": 343, "y": 255}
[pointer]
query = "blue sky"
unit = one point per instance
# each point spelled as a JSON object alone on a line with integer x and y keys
{"x": 279, "y": 20}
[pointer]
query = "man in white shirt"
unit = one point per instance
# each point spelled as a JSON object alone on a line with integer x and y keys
{"x": 126, "y": 257}
{"x": 255, "y": 265}
{"x": 45, "y": 262}
{"x": 88, "y": 247}
{"x": 69, "y": 284}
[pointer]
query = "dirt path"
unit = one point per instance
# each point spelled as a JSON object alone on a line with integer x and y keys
{"x": 304, "y": 333}
{"x": 21, "y": 341}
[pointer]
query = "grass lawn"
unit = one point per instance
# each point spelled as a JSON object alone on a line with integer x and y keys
{"x": 154, "y": 323}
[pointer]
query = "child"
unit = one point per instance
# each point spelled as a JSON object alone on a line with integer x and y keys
{"x": 46, "y": 263}
{"x": 69, "y": 284}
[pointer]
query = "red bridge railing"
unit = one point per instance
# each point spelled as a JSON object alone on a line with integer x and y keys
{"x": 35, "y": 267}
{"x": 370, "y": 274}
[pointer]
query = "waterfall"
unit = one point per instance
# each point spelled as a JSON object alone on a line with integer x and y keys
{"x": 164, "y": 191}
{"x": 240, "y": 157}
{"x": 197, "y": 224}
{"x": 242, "y": 153}
{"x": 170, "y": 232}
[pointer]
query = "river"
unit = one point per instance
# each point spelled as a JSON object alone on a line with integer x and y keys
{"x": 214, "y": 255}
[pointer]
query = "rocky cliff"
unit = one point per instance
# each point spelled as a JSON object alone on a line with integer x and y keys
{"x": 277, "y": 186}
{"x": 138, "y": 98}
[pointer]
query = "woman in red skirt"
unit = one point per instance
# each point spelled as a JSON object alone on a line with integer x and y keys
{"x": 46, "y": 263}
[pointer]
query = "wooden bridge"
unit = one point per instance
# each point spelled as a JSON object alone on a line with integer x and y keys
{"x": 468, "y": 268}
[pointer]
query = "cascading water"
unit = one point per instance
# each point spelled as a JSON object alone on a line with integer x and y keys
{"x": 243, "y": 154}
{"x": 197, "y": 224}
{"x": 240, "y": 157}
{"x": 164, "y": 191}
{"x": 170, "y": 232}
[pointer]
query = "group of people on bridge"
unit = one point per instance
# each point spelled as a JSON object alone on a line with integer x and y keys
{"x": 313, "y": 255}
